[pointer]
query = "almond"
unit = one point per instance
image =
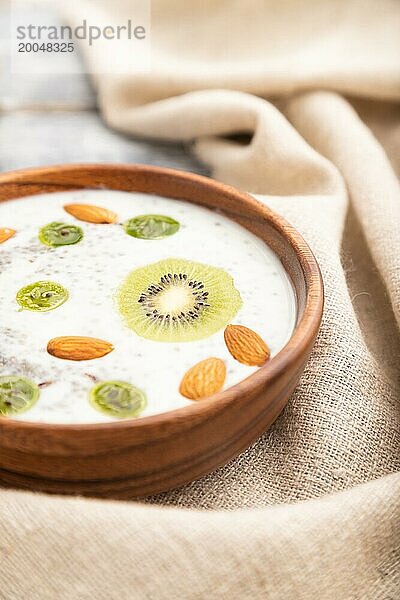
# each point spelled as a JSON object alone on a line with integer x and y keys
{"x": 78, "y": 348}
{"x": 90, "y": 213}
{"x": 6, "y": 234}
{"x": 203, "y": 379}
{"x": 246, "y": 345}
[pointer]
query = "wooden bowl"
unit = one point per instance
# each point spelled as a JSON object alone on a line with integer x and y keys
{"x": 130, "y": 458}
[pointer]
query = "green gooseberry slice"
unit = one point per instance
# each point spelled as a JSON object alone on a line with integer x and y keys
{"x": 117, "y": 399}
{"x": 42, "y": 296}
{"x": 17, "y": 394}
{"x": 151, "y": 227}
{"x": 60, "y": 234}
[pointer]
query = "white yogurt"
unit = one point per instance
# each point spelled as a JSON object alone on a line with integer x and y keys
{"x": 93, "y": 269}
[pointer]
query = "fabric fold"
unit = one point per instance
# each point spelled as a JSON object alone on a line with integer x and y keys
{"x": 341, "y": 546}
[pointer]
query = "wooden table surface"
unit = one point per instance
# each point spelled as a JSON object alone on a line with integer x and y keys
{"x": 52, "y": 119}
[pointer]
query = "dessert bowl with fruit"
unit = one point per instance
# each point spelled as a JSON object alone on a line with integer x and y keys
{"x": 154, "y": 323}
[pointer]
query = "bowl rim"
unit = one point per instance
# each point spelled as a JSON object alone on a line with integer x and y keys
{"x": 305, "y": 329}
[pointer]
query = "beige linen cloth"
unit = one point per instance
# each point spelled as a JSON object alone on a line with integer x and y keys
{"x": 312, "y": 509}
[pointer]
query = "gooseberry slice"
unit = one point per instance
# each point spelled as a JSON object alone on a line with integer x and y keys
{"x": 42, "y": 296}
{"x": 60, "y": 234}
{"x": 117, "y": 399}
{"x": 151, "y": 227}
{"x": 17, "y": 394}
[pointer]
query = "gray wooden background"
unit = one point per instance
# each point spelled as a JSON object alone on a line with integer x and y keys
{"x": 52, "y": 119}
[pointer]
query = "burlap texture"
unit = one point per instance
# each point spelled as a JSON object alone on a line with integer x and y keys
{"x": 316, "y": 162}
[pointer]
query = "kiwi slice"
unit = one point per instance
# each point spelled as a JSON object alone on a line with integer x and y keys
{"x": 177, "y": 300}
